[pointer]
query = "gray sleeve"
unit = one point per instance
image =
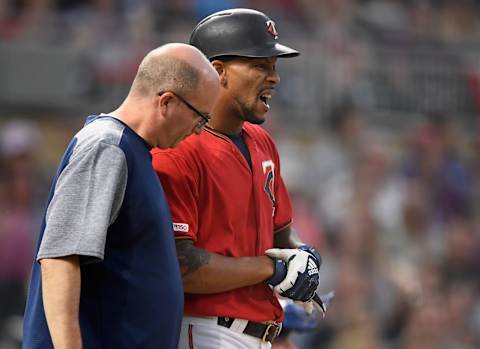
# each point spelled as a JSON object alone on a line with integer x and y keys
{"x": 88, "y": 196}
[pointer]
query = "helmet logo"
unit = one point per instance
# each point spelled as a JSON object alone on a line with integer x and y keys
{"x": 271, "y": 29}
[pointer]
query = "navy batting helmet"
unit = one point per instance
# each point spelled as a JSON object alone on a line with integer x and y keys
{"x": 239, "y": 32}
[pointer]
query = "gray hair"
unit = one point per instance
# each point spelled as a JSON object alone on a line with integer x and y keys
{"x": 159, "y": 73}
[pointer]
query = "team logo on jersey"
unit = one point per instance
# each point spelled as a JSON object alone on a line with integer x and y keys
{"x": 181, "y": 227}
{"x": 269, "y": 169}
{"x": 271, "y": 29}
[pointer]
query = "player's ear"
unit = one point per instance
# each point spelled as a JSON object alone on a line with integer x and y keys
{"x": 222, "y": 72}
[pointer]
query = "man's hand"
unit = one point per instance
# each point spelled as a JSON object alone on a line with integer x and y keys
{"x": 302, "y": 278}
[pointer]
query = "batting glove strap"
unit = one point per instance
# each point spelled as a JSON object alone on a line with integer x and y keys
{"x": 313, "y": 252}
{"x": 279, "y": 273}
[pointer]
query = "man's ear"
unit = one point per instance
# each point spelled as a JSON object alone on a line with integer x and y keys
{"x": 221, "y": 70}
{"x": 163, "y": 102}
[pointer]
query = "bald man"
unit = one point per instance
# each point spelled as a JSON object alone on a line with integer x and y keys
{"x": 106, "y": 273}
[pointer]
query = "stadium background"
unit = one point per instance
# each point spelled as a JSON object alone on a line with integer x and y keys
{"x": 377, "y": 123}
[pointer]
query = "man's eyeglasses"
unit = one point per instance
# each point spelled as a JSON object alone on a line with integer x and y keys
{"x": 205, "y": 116}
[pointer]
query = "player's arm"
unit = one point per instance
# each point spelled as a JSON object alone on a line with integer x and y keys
{"x": 61, "y": 298}
{"x": 206, "y": 272}
{"x": 287, "y": 238}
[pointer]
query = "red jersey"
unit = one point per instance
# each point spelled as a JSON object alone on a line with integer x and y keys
{"x": 225, "y": 207}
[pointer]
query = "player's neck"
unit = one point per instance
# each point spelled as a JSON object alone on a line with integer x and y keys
{"x": 225, "y": 120}
{"x": 224, "y": 126}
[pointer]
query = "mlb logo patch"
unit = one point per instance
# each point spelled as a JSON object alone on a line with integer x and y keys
{"x": 181, "y": 227}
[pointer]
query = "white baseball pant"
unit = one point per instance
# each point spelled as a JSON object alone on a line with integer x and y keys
{"x": 205, "y": 333}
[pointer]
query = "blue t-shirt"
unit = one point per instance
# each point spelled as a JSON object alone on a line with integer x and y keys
{"x": 107, "y": 206}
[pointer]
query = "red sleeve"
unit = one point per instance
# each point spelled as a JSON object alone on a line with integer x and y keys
{"x": 180, "y": 186}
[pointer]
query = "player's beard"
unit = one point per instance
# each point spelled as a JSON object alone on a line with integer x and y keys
{"x": 249, "y": 115}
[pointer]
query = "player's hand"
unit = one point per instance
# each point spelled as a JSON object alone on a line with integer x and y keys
{"x": 313, "y": 252}
{"x": 302, "y": 278}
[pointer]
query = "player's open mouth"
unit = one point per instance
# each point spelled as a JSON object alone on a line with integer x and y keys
{"x": 265, "y": 98}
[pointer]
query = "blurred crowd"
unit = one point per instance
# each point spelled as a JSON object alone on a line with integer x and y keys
{"x": 393, "y": 206}
{"x": 136, "y": 20}
{"x": 421, "y": 53}
{"x": 396, "y": 217}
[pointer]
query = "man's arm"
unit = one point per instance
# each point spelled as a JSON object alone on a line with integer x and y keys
{"x": 205, "y": 272}
{"x": 286, "y": 238}
{"x": 61, "y": 298}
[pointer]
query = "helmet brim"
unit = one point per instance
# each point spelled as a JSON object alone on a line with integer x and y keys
{"x": 277, "y": 50}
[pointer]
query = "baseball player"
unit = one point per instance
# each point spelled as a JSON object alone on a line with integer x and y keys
{"x": 228, "y": 201}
